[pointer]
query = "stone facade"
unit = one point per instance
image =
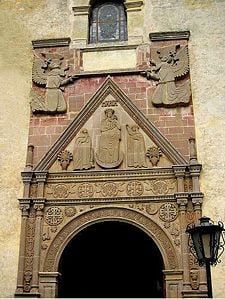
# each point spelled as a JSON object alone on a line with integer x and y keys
{"x": 24, "y": 21}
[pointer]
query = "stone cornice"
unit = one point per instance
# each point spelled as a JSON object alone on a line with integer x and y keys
{"x": 108, "y": 200}
{"x": 173, "y": 35}
{"x": 52, "y": 42}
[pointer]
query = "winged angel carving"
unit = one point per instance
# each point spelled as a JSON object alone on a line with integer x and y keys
{"x": 50, "y": 72}
{"x": 171, "y": 65}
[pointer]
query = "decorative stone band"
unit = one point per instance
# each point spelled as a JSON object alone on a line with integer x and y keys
{"x": 68, "y": 231}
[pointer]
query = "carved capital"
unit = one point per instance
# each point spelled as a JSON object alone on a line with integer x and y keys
{"x": 195, "y": 169}
{"x": 24, "y": 207}
{"x": 27, "y": 176}
{"x": 39, "y": 205}
{"x": 179, "y": 170}
{"x": 197, "y": 199}
{"x": 182, "y": 200}
{"x": 41, "y": 176}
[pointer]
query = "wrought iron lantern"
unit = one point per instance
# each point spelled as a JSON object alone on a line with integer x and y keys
{"x": 206, "y": 241}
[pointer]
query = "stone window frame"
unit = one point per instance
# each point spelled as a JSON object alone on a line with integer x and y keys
{"x": 80, "y": 29}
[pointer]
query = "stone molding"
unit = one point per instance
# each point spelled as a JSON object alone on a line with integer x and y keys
{"x": 170, "y": 35}
{"x": 100, "y": 214}
{"x": 53, "y": 42}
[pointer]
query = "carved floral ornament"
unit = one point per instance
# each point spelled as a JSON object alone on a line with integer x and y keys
{"x": 111, "y": 189}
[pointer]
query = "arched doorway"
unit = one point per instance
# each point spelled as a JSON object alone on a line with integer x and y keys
{"x": 111, "y": 259}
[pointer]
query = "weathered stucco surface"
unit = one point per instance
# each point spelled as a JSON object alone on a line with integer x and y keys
{"x": 23, "y": 21}
{"x": 20, "y": 22}
{"x": 204, "y": 19}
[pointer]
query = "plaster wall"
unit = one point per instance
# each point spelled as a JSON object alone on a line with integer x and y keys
{"x": 20, "y": 22}
{"x": 23, "y": 21}
{"x": 204, "y": 19}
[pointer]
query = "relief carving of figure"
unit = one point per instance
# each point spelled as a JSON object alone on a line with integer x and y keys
{"x": 83, "y": 153}
{"x": 136, "y": 151}
{"x": 170, "y": 66}
{"x": 50, "y": 72}
{"x": 109, "y": 154}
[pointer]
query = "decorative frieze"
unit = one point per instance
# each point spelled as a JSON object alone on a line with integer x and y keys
{"x": 108, "y": 189}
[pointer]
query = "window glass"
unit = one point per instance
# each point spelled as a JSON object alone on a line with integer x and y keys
{"x": 108, "y": 22}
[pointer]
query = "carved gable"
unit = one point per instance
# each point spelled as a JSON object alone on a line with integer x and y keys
{"x": 110, "y": 133}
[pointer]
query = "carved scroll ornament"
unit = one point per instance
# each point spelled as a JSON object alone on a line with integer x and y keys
{"x": 50, "y": 71}
{"x": 170, "y": 66}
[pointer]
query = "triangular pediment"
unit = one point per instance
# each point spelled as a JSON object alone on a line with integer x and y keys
{"x": 124, "y": 142}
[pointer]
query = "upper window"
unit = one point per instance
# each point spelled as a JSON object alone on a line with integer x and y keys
{"x": 108, "y": 22}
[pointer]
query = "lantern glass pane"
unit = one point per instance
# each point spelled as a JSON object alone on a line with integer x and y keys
{"x": 197, "y": 245}
{"x": 215, "y": 245}
{"x": 206, "y": 243}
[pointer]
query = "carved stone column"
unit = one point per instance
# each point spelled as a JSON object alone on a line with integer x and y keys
{"x": 41, "y": 178}
{"x": 30, "y": 155}
{"x": 24, "y": 207}
{"x": 182, "y": 201}
{"x": 197, "y": 199}
{"x": 39, "y": 207}
{"x": 195, "y": 170}
{"x": 26, "y": 177}
{"x": 173, "y": 281}
{"x": 179, "y": 171}
{"x": 49, "y": 284}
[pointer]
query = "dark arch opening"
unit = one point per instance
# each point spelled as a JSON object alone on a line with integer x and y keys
{"x": 111, "y": 259}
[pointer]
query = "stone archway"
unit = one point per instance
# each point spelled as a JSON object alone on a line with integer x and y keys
{"x": 111, "y": 259}
{"x": 48, "y": 278}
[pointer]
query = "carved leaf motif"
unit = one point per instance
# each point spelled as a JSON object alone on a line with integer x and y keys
{"x": 38, "y": 72}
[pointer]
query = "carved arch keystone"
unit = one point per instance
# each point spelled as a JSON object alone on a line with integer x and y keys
{"x": 112, "y": 213}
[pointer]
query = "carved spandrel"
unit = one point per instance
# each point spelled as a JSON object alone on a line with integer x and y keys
{"x": 136, "y": 151}
{"x": 108, "y": 154}
{"x": 168, "y": 66}
{"x": 83, "y": 156}
{"x": 50, "y": 71}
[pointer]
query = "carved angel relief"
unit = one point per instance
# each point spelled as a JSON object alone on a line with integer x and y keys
{"x": 50, "y": 71}
{"x": 168, "y": 68}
